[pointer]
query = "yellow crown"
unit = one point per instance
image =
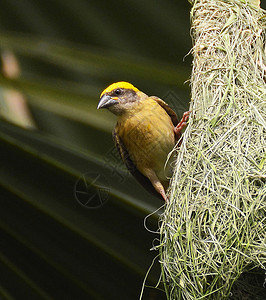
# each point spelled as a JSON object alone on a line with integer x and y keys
{"x": 119, "y": 85}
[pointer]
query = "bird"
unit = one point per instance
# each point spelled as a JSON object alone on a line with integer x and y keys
{"x": 145, "y": 134}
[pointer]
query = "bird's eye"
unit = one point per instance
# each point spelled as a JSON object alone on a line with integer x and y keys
{"x": 118, "y": 92}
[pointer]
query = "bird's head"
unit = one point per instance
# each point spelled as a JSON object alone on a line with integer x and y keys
{"x": 120, "y": 97}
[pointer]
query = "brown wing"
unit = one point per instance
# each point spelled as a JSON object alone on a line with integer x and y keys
{"x": 172, "y": 115}
{"x": 143, "y": 180}
{"x": 167, "y": 108}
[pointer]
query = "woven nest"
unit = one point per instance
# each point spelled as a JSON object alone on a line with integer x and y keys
{"x": 213, "y": 229}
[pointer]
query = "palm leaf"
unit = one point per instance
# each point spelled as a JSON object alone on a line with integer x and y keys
{"x": 52, "y": 247}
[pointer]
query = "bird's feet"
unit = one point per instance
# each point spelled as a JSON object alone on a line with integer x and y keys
{"x": 182, "y": 123}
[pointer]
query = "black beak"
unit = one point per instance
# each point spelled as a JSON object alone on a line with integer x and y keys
{"x": 106, "y": 101}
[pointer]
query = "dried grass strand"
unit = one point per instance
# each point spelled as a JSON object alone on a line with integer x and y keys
{"x": 213, "y": 229}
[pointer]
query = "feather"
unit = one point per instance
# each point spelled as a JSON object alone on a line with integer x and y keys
{"x": 143, "y": 180}
{"x": 170, "y": 112}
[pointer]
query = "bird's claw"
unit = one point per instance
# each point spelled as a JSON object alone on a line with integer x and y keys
{"x": 182, "y": 123}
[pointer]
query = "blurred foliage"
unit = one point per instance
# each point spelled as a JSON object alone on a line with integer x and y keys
{"x": 52, "y": 247}
{"x": 68, "y": 52}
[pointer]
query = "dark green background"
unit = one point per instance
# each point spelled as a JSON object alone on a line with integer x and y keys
{"x": 51, "y": 246}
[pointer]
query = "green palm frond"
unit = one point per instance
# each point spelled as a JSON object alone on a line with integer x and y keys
{"x": 53, "y": 244}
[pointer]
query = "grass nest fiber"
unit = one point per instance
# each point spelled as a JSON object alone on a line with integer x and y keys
{"x": 213, "y": 229}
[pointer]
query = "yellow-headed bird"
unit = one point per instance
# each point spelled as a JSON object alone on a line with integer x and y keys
{"x": 146, "y": 132}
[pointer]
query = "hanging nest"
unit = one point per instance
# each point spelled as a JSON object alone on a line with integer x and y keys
{"x": 213, "y": 229}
